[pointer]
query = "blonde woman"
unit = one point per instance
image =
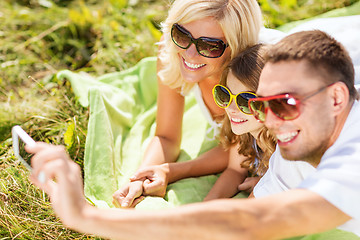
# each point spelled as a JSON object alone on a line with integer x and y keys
{"x": 199, "y": 38}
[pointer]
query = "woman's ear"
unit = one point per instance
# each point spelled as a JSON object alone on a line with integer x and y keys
{"x": 340, "y": 97}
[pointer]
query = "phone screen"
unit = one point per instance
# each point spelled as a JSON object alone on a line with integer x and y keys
{"x": 20, "y": 139}
{"x": 24, "y": 155}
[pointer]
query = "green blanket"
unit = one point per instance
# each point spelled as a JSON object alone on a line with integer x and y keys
{"x": 121, "y": 123}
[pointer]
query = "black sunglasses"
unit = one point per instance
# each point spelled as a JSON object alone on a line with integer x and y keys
{"x": 206, "y": 47}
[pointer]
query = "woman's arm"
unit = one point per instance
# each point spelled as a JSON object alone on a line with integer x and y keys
{"x": 227, "y": 184}
{"x": 211, "y": 162}
{"x": 165, "y": 146}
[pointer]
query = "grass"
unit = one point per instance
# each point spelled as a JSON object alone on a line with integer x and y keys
{"x": 40, "y": 37}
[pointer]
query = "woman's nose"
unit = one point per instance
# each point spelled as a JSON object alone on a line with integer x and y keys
{"x": 191, "y": 51}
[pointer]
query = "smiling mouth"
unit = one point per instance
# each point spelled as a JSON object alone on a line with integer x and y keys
{"x": 238, "y": 120}
{"x": 192, "y": 65}
{"x": 287, "y": 137}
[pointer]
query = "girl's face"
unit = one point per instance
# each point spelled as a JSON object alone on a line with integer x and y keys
{"x": 240, "y": 123}
{"x": 194, "y": 67}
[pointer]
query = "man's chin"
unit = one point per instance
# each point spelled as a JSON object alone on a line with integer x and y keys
{"x": 287, "y": 155}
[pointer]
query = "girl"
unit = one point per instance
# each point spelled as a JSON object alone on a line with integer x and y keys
{"x": 250, "y": 143}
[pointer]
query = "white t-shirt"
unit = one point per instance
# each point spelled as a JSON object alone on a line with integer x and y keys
{"x": 337, "y": 178}
{"x": 282, "y": 175}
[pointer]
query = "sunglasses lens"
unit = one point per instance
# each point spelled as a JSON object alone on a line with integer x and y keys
{"x": 284, "y": 108}
{"x": 211, "y": 48}
{"x": 258, "y": 110}
{"x": 221, "y": 96}
{"x": 206, "y": 47}
{"x": 180, "y": 37}
{"x": 242, "y": 102}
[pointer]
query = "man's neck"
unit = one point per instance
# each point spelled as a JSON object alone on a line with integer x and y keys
{"x": 340, "y": 120}
{"x": 339, "y": 124}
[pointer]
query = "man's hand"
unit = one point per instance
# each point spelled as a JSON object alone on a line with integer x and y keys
{"x": 56, "y": 174}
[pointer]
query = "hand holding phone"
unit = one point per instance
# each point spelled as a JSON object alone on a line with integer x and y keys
{"x": 20, "y": 139}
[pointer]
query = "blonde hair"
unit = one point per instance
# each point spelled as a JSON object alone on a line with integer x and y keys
{"x": 240, "y": 21}
{"x": 246, "y": 67}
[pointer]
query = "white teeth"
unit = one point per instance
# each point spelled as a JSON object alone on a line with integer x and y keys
{"x": 286, "y": 137}
{"x": 194, "y": 66}
{"x": 238, "y": 120}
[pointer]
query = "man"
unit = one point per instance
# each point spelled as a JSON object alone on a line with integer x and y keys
{"x": 307, "y": 99}
{"x": 314, "y": 71}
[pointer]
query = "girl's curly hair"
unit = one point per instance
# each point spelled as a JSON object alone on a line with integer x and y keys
{"x": 246, "y": 67}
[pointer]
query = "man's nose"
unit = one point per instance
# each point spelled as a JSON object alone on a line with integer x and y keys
{"x": 272, "y": 121}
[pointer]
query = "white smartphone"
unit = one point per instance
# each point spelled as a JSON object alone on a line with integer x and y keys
{"x": 20, "y": 139}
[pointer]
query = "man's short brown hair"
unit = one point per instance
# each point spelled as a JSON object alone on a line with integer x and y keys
{"x": 325, "y": 55}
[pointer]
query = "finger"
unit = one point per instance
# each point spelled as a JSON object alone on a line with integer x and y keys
{"x": 246, "y": 185}
{"x": 152, "y": 186}
{"x": 67, "y": 173}
{"x": 137, "y": 201}
{"x": 142, "y": 174}
{"x": 44, "y": 179}
{"x": 126, "y": 202}
{"x": 47, "y": 154}
{"x": 130, "y": 197}
{"x": 37, "y": 147}
{"x": 118, "y": 196}
{"x": 116, "y": 202}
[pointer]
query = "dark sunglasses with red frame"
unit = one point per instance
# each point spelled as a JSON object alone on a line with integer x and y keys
{"x": 284, "y": 106}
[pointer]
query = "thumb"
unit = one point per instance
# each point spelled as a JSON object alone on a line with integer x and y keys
{"x": 246, "y": 185}
{"x": 150, "y": 186}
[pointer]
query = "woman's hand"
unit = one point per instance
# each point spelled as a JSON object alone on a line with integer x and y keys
{"x": 56, "y": 174}
{"x": 129, "y": 195}
{"x": 156, "y": 179}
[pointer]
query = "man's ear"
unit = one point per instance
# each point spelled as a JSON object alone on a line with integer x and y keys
{"x": 340, "y": 97}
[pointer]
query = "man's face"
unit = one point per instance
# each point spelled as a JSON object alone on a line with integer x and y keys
{"x": 306, "y": 137}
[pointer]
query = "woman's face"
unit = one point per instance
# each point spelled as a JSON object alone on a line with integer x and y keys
{"x": 240, "y": 123}
{"x": 194, "y": 67}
